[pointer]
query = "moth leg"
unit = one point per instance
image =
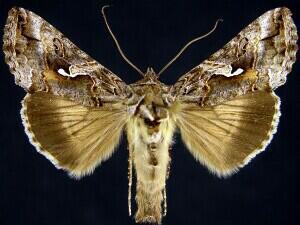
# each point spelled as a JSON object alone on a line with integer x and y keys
{"x": 130, "y": 166}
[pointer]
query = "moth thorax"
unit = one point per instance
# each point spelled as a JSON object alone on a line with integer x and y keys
{"x": 153, "y": 115}
{"x": 151, "y": 118}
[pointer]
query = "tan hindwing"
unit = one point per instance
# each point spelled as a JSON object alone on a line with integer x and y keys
{"x": 225, "y": 137}
{"x": 74, "y": 137}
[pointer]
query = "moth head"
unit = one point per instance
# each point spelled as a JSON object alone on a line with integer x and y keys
{"x": 151, "y": 75}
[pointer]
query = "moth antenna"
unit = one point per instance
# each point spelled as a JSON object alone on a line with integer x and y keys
{"x": 187, "y": 45}
{"x": 165, "y": 200}
{"x": 117, "y": 43}
{"x": 130, "y": 159}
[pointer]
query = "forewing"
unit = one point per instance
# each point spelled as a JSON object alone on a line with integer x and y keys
{"x": 226, "y": 136}
{"x": 74, "y": 137}
{"x": 258, "y": 58}
{"x": 42, "y": 59}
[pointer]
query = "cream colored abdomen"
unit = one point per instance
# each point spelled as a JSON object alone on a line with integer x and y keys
{"x": 150, "y": 152}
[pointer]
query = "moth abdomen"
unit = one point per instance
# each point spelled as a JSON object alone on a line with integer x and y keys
{"x": 149, "y": 134}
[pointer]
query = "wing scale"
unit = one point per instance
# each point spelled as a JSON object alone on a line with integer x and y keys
{"x": 74, "y": 137}
{"x": 226, "y": 136}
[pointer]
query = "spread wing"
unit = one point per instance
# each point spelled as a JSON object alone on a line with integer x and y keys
{"x": 42, "y": 59}
{"x": 72, "y": 136}
{"x": 225, "y": 137}
{"x": 76, "y": 109}
{"x": 258, "y": 58}
{"x": 228, "y": 110}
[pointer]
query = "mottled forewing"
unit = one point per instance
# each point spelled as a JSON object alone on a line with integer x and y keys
{"x": 258, "y": 58}
{"x": 42, "y": 59}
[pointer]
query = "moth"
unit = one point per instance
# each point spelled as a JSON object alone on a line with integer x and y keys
{"x": 76, "y": 110}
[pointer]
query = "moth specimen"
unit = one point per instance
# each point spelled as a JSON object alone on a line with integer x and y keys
{"x": 76, "y": 109}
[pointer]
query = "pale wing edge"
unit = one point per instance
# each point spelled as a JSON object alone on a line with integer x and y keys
{"x": 49, "y": 156}
{"x": 264, "y": 144}
{"x": 269, "y": 137}
{"x": 248, "y": 158}
{"x": 31, "y": 136}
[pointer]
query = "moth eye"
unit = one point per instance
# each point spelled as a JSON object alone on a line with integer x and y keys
{"x": 58, "y": 47}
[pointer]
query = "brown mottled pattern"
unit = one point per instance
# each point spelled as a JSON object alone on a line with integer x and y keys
{"x": 76, "y": 109}
{"x": 267, "y": 46}
{"x": 35, "y": 51}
